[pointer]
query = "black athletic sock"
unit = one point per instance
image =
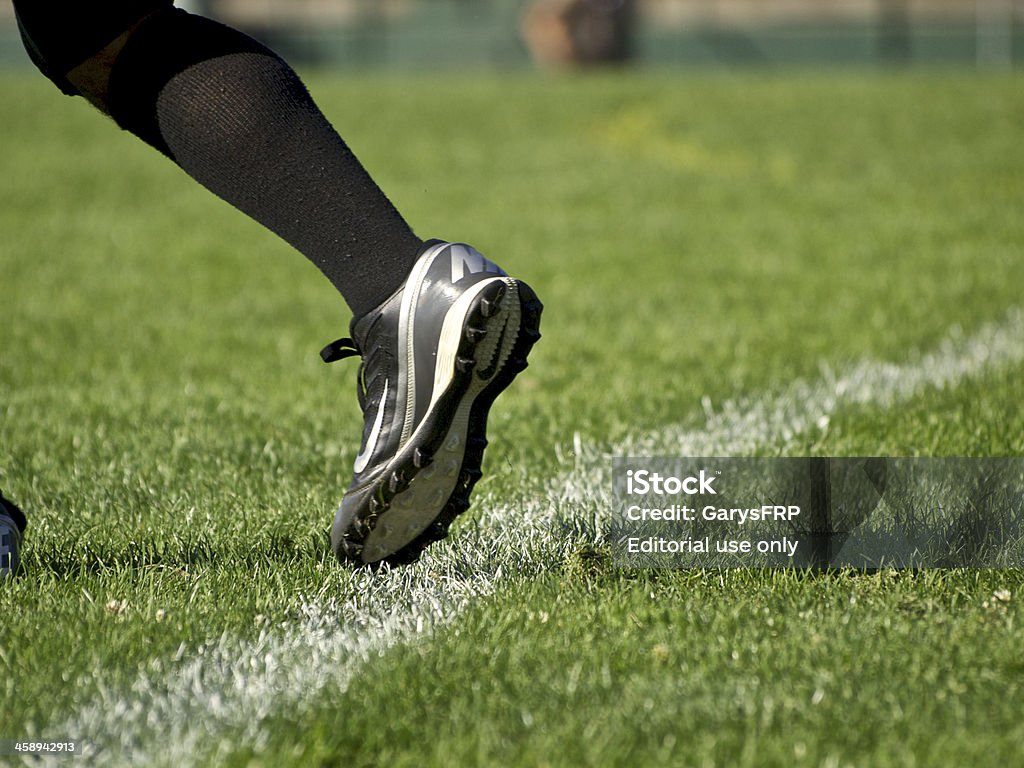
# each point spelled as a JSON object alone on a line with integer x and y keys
{"x": 239, "y": 121}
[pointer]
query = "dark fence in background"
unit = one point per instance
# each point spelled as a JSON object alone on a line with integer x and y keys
{"x": 517, "y": 34}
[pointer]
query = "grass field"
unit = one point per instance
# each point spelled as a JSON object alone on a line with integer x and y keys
{"x": 717, "y": 254}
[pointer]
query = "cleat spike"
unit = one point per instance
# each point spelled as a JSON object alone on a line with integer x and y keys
{"x": 421, "y": 458}
{"x": 469, "y": 478}
{"x": 465, "y": 364}
{"x": 475, "y": 335}
{"x": 351, "y": 549}
{"x": 438, "y": 531}
{"x": 490, "y": 304}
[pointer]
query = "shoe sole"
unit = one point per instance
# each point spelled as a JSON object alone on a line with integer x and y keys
{"x": 484, "y": 345}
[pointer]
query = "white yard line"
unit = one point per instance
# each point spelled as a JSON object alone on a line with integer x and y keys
{"x": 178, "y": 711}
{"x": 741, "y": 427}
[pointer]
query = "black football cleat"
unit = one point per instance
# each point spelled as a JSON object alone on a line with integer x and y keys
{"x": 435, "y": 355}
{"x": 12, "y": 523}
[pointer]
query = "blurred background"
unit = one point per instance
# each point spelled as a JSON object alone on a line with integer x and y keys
{"x": 517, "y": 34}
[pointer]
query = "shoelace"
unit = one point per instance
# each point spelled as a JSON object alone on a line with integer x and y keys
{"x": 339, "y": 350}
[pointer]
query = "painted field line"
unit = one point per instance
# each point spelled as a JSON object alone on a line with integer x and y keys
{"x": 741, "y": 427}
{"x": 193, "y": 710}
{"x": 189, "y": 711}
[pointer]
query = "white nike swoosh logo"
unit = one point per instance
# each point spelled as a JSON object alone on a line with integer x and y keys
{"x": 371, "y": 442}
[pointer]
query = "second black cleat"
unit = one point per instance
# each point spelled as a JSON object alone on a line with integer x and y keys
{"x": 12, "y": 524}
{"x": 435, "y": 355}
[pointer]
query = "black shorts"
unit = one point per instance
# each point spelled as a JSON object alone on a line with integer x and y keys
{"x": 61, "y": 34}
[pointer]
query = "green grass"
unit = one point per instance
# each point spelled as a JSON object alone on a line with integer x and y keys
{"x": 166, "y": 422}
{"x": 735, "y": 668}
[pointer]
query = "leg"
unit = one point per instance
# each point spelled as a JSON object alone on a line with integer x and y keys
{"x": 236, "y": 118}
{"x": 441, "y": 330}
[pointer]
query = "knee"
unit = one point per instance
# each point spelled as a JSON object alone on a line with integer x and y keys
{"x": 62, "y": 35}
